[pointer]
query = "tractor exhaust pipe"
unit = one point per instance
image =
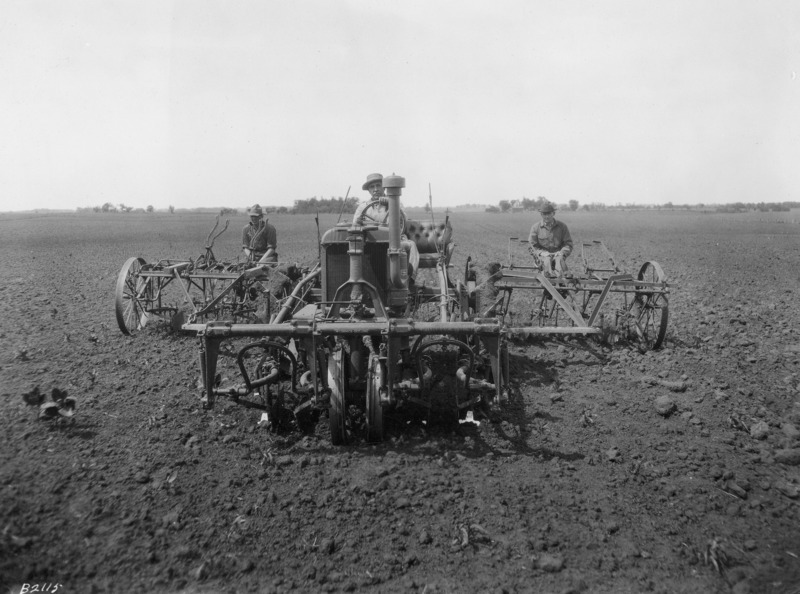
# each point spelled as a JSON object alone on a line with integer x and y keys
{"x": 398, "y": 257}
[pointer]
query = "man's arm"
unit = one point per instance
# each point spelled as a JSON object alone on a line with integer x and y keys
{"x": 246, "y": 241}
{"x": 535, "y": 248}
{"x": 566, "y": 242}
{"x": 533, "y": 238}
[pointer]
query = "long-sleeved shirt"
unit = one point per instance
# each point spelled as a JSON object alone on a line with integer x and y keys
{"x": 550, "y": 239}
{"x": 268, "y": 239}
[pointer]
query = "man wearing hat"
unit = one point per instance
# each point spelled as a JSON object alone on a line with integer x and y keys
{"x": 376, "y": 210}
{"x": 259, "y": 238}
{"x": 374, "y": 185}
{"x": 550, "y": 242}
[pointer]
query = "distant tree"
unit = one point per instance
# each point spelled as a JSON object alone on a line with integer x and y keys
{"x": 150, "y": 208}
{"x": 282, "y": 210}
{"x": 668, "y": 205}
{"x": 573, "y": 205}
{"x": 504, "y": 205}
{"x": 492, "y": 209}
{"x": 528, "y": 203}
{"x": 427, "y": 207}
{"x": 108, "y": 207}
{"x": 332, "y": 205}
{"x": 171, "y": 209}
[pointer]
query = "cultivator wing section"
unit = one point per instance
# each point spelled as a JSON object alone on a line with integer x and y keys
{"x": 204, "y": 289}
{"x": 599, "y": 298}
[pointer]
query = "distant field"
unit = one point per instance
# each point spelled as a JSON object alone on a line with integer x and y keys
{"x": 482, "y": 235}
{"x": 144, "y": 491}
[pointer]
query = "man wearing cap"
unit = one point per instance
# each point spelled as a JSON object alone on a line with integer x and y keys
{"x": 550, "y": 242}
{"x": 259, "y": 238}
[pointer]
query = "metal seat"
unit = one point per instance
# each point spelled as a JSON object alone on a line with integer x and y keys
{"x": 433, "y": 240}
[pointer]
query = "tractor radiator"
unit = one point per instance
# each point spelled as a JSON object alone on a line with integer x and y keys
{"x": 337, "y": 267}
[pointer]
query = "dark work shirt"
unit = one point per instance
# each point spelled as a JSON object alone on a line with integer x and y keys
{"x": 268, "y": 239}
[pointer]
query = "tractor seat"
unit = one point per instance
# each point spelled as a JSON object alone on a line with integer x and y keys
{"x": 430, "y": 238}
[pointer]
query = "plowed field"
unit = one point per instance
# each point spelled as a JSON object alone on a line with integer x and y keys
{"x": 608, "y": 471}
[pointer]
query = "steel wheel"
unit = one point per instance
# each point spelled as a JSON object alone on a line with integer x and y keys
{"x": 337, "y": 412}
{"x": 650, "y": 308}
{"x": 375, "y": 382}
{"x": 133, "y": 297}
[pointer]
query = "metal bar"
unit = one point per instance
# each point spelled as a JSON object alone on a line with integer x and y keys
{"x": 188, "y": 298}
{"x": 632, "y": 285}
{"x": 570, "y": 311}
{"x": 391, "y": 327}
{"x": 522, "y": 331}
{"x": 611, "y": 280}
{"x": 219, "y": 297}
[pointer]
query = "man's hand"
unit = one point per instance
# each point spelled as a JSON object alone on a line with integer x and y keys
{"x": 246, "y": 252}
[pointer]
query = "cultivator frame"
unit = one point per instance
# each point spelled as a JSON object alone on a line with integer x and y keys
{"x": 580, "y": 303}
{"x": 207, "y": 289}
{"x": 359, "y": 337}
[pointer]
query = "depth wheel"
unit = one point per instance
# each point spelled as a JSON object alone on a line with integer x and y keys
{"x": 375, "y": 382}
{"x": 337, "y": 413}
{"x": 132, "y": 297}
{"x": 650, "y": 308}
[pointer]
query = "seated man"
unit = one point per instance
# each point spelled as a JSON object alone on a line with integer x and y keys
{"x": 376, "y": 211}
{"x": 550, "y": 242}
{"x": 259, "y": 238}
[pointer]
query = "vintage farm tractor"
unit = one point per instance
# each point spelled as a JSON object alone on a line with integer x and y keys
{"x": 363, "y": 335}
{"x": 360, "y": 337}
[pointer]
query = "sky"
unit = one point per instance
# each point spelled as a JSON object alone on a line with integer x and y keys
{"x": 201, "y": 103}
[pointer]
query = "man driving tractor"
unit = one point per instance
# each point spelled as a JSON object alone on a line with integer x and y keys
{"x": 376, "y": 211}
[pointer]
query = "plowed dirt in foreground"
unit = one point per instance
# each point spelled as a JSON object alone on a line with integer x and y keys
{"x": 608, "y": 471}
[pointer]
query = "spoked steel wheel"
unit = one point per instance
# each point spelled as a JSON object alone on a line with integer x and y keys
{"x": 650, "y": 308}
{"x": 134, "y": 295}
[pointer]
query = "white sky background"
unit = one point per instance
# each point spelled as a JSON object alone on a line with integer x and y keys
{"x": 213, "y": 103}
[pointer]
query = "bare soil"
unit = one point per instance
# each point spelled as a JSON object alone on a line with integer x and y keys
{"x": 608, "y": 471}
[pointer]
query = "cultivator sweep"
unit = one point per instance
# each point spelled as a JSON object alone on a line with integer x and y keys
{"x": 363, "y": 335}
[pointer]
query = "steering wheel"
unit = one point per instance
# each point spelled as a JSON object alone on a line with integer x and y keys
{"x": 374, "y": 213}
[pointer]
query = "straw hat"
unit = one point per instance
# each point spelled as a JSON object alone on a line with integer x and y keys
{"x": 371, "y": 179}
